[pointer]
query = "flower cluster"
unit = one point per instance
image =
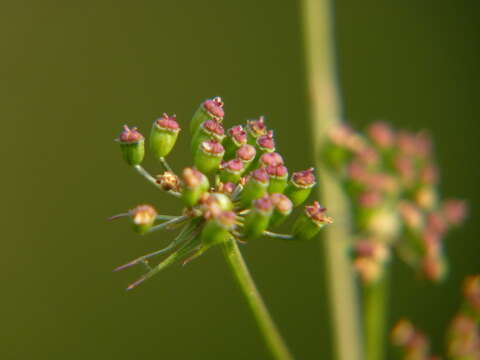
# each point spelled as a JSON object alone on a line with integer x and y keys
{"x": 392, "y": 179}
{"x": 463, "y": 336}
{"x": 413, "y": 343}
{"x": 237, "y": 189}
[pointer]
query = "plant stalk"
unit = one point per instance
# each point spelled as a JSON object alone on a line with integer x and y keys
{"x": 325, "y": 112}
{"x": 374, "y": 311}
{"x": 264, "y": 321}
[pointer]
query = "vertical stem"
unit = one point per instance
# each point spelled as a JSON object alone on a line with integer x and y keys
{"x": 374, "y": 305}
{"x": 325, "y": 112}
{"x": 264, "y": 321}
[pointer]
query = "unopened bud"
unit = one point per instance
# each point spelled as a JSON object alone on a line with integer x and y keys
{"x": 215, "y": 203}
{"x": 434, "y": 267}
{"x": 278, "y": 178}
{"x": 195, "y": 184}
{"x": 231, "y": 171}
{"x": 169, "y": 181}
{"x": 164, "y": 135}
{"x": 370, "y": 270}
{"x": 255, "y": 187}
{"x": 381, "y": 134}
{"x": 266, "y": 143}
{"x": 217, "y": 229}
{"x": 226, "y": 188}
{"x": 209, "y": 109}
{"x": 311, "y": 221}
{"x": 471, "y": 291}
{"x": 246, "y": 153}
{"x": 209, "y": 156}
{"x": 132, "y": 144}
{"x": 270, "y": 159}
{"x": 236, "y": 137}
{"x": 282, "y": 208}
{"x": 255, "y": 129}
{"x": 208, "y": 130}
{"x": 143, "y": 218}
{"x": 454, "y": 211}
{"x": 402, "y": 333}
{"x": 257, "y": 220}
{"x": 300, "y": 186}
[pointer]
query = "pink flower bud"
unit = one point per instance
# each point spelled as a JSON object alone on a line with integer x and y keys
{"x": 381, "y": 134}
{"x": 212, "y": 147}
{"x": 271, "y": 158}
{"x": 304, "y": 178}
{"x": 214, "y": 107}
{"x": 130, "y": 135}
{"x": 260, "y": 175}
{"x": 246, "y": 153}
{"x": 257, "y": 127}
{"x": 238, "y": 134}
{"x": 214, "y": 127}
{"x": 266, "y": 142}
{"x": 168, "y": 122}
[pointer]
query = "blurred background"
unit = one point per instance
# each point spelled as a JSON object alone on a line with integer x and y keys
{"x": 72, "y": 73}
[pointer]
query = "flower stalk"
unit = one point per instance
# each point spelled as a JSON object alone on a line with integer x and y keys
{"x": 268, "y": 328}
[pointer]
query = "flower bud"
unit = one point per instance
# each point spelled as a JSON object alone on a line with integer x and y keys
{"x": 169, "y": 181}
{"x": 163, "y": 135}
{"x": 208, "y": 130}
{"x": 226, "y": 188}
{"x": 195, "y": 185}
{"x": 266, "y": 143}
{"x": 311, "y": 221}
{"x": 217, "y": 229}
{"x": 255, "y": 129}
{"x": 270, "y": 158}
{"x": 282, "y": 208}
{"x": 236, "y": 138}
{"x": 300, "y": 186}
{"x": 143, "y": 218}
{"x": 278, "y": 178}
{"x": 257, "y": 220}
{"x": 209, "y": 109}
{"x": 231, "y": 171}
{"x": 255, "y": 187}
{"x": 132, "y": 144}
{"x": 246, "y": 153}
{"x": 209, "y": 156}
{"x": 381, "y": 134}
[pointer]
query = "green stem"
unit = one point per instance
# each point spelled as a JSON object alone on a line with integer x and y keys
{"x": 374, "y": 304}
{"x": 325, "y": 112}
{"x": 152, "y": 180}
{"x": 165, "y": 165}
{"x": 264, "y": 321}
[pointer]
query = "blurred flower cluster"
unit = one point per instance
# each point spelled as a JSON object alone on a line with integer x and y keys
{"x": 463, "y": 336}
{"x": 392, "y": 181}
{"x": 237, "y": 189}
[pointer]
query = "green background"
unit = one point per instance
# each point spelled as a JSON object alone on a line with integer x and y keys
{"x": 73, "y": 72}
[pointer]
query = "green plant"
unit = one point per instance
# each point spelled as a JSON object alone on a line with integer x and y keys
{"x": 237, "y": 191}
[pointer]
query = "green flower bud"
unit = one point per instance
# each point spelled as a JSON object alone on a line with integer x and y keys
{"x": 143, "y": 218}
{"x": 217, "y": 230}
{"x": 209, "y": 109}
{"x": 209, "y": 156}
{"x": 236, "y": 138}
{"x": 231, "y": 171}
{"x": 255, "y": 129}
{"x": 163, "y": 135}
{"x": 132, "y": 144}
{"x": 195, "y": 185}
{"x": 300, "y": 186}
{"x": 214, "y": 203}
{"x": 255, "y": 187}
{"x": 311, "y": 221}
{"x": 257, "y": 220}
{"x": 278, "y": 178}
{"x": 209, "y": 130}
{"x": 282, "y": 208}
